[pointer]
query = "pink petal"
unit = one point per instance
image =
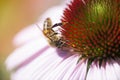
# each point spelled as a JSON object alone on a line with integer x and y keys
{"x": 24, "y": 52}
{"x": 38, "y": 65}
{"x": 26, "y": 35}
{"x": 61, "y": 70}
{"x": 116, "y": 67}
{"x": 80, "y": 71}
{"x": 95, "y": 73}
{"x": 110, "y": 70}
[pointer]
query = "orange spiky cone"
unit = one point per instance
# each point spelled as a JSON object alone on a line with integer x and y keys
{"x": 93, "y": 28}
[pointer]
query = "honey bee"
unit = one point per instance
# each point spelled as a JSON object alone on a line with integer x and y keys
{"x": 55, "y": 39}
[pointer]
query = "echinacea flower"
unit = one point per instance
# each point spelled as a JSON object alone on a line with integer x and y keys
{"x": 92, "y": 35}
{"x": 93, "y": 29}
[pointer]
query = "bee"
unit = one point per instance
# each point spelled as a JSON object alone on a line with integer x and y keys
{"x": 55, "y": 39}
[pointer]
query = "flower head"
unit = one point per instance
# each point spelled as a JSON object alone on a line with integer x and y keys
{"x": 93, "y": 27}
{"x": 92, "y": 30}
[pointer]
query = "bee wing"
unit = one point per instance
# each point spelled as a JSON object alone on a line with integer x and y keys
{"x": 47, "y": 23}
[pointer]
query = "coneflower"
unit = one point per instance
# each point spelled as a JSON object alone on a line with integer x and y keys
{"x": 92, "y": 34}
{"x": 93, "y": 29}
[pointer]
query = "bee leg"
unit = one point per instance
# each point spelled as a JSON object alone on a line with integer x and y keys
{"x": 57, "y": 24}
{"x": 60, "y": 43}
{"x": 53, "y": 34}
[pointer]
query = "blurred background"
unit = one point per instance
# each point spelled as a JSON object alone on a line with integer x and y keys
{"x": 15, "y": 15}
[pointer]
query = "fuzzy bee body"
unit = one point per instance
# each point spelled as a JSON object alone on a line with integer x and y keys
{"x": 54, "y": 38}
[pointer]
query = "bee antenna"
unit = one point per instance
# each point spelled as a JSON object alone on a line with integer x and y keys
{"x": 39, "y": 27}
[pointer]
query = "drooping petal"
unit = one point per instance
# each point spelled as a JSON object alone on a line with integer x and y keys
{"x": 80, "y": 71}
{"x": 24, "y": 52}
{"x": 95, "y": 72}
{"x": 60, "y": 70}
{"x": 111, "y": 70}
{"x": 108, "y": 71}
